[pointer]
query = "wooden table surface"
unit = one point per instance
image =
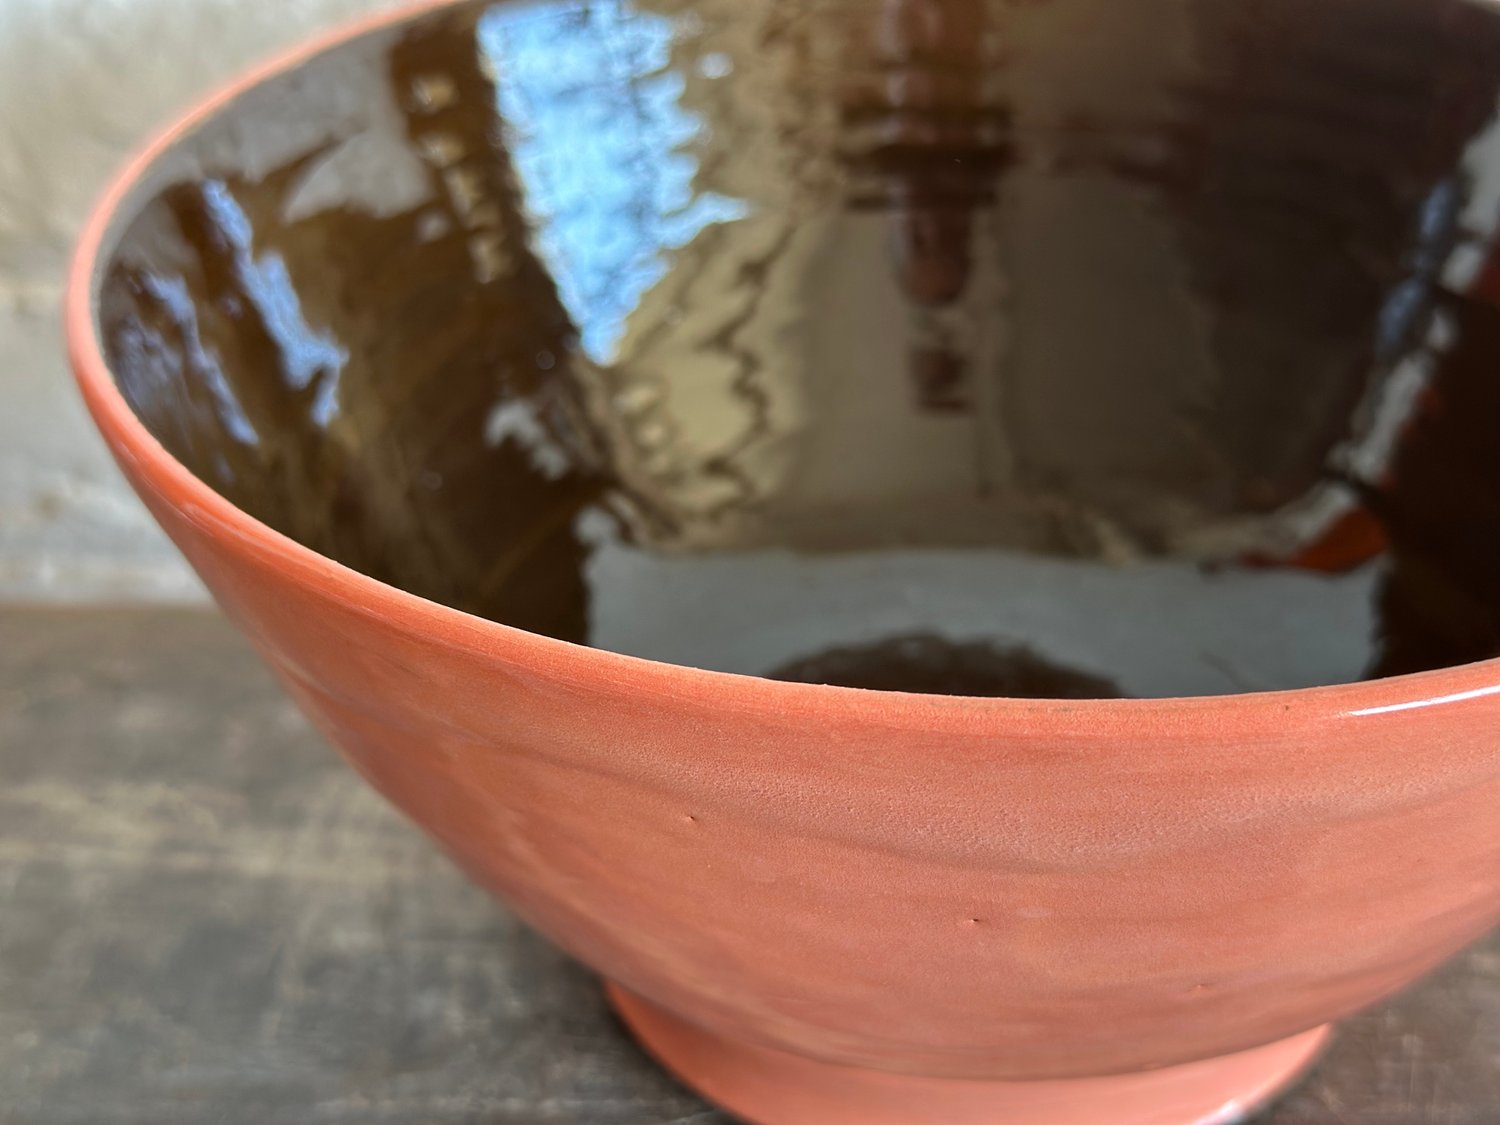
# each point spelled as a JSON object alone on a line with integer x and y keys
{"x": 206, "y": 918}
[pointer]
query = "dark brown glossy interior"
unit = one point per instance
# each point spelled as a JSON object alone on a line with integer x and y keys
{"x": 1035, "y": 347}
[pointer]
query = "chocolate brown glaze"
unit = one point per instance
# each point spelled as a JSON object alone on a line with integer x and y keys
{"x": 1155, "y": 342}
{"x": 936, "y": 666}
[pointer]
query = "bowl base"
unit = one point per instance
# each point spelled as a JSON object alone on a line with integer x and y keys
{"x": 770, "y": 1087}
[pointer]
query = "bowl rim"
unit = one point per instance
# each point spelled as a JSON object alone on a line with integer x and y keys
{"x": 131, "y": 442}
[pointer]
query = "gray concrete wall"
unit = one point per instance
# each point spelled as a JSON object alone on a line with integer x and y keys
{"x": 81, "y": 83}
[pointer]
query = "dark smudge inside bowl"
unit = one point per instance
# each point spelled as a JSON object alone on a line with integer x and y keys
{"x": 1064, "y": 347}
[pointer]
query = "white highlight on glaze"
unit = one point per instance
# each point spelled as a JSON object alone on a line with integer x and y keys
{"x": 1230, "y": 1113}
{"x": 374, "y": 171}
{"x": 1437, "y": 701}
{"x": 716, "y": 64}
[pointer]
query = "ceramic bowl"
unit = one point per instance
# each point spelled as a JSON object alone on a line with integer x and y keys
{"x": 947, "y": 549}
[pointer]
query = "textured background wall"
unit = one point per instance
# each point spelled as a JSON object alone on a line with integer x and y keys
{"x": 81, "y": 83}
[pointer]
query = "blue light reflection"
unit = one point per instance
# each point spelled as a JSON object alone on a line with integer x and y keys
{"x": 603, "y": 149}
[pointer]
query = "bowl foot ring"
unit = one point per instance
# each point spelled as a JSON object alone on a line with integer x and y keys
{"x": 770, "y": 1087}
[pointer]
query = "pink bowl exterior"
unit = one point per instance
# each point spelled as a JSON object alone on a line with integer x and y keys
{"x": 951, "y": 887}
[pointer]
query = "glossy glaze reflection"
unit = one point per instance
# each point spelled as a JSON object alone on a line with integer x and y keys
{"x": 1153, "y": 340}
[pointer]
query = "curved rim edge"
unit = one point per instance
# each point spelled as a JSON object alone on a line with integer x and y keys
{"x": 124, "y": 430}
